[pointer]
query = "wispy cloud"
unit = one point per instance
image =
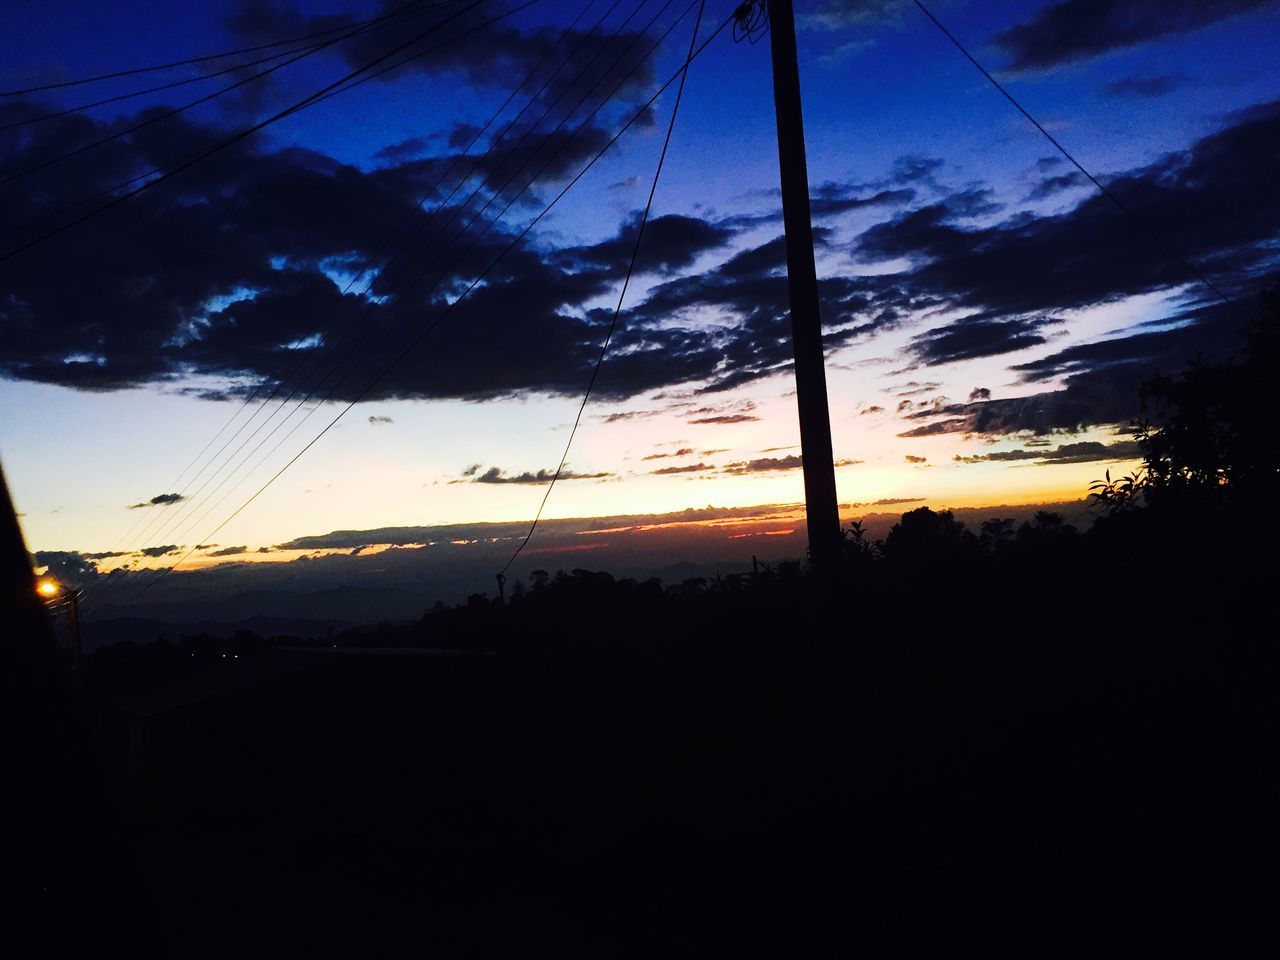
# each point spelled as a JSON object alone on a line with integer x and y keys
{"x": 163, "y": 500}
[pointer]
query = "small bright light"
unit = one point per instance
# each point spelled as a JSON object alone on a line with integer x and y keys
{"x": 47, "y": 588}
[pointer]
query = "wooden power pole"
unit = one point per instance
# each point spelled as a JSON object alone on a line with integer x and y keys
{"x": 821, "y": 509}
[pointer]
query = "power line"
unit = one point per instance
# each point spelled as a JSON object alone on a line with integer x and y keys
{"x": 631, "y": 265}
{"x": 402, "y": 295}
{"x": 370, "y": 338}
{"x": 358, "y": 29}
{"x": 400, "y": 298}
{"x": 448, "y": 309}
{"x": 369, "y": 262}
{"x": 338, "y": 364}
{"x": 156, "y": 68}
{"x": 1155, "y": 237}
{"x": 174, "y": 111}
{"x": 172, "y": 166}
{"x": 247, "y": 132}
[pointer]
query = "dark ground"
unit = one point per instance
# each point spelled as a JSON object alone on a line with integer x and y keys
{"x": 942, "y": 766}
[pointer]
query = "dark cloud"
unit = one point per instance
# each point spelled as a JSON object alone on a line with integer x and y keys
{"x": 197, "y": 305}
{"x": 1147, "y": 88}
{"x": 979, "y": 393}
{"x": 689, "y": 468}
{"x": 871, "y": 409}
{"x": 953, "y": 425}
{"x": 1087, "y": 451}
{"x": 890, "y": 502}
{"x": 498, "y": 475}
{"x": 914, "y": 388}
{"x": 1079, "y": 29}
{"x": 670, "y": 242}
{"x": 1052, "y": 186}
{"x": 161, "y": 500}
{"x": 478, "y": 54}
{"x": 229, "y": 552}
{"x": 237, "y": 313}
{"x": 484, "y": 533}
{"x": 727, "y": 418}
{"x": 463, "y": 134}
{"x": 160, "y": 551}
{"x": 1105, "y": 396}
{"x": 967, "y": 339}
{"x": 833, "y": 199}
{"x": 682, "y": 452}
{"x": 910, "y": 458}
{"x": 67, "y": 566}
{"x": 410, "y": 149}
{"x": 1217, "y": 203}
{"x": 765, "y": 465}
{"x": 380, "y": 421}
{"x": 624, "y": 415}
{"x": 917, "y": 169}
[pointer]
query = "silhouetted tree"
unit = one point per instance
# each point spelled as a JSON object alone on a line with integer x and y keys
{"x": 925, "y": 537}
{"x": 1046, "y": 543}
{"x": 860, "y": 551}
{"x": 996, "y": 534}
{"x": 1209, "y": 437}
{"x": 1115, "y": 496}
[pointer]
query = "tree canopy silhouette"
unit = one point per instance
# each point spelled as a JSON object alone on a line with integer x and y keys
{"x": 1208, "y": 437}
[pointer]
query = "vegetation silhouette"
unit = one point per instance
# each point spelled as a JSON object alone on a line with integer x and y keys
{"x": 1209, "y": 442}
{"x": 1025, "y": 736}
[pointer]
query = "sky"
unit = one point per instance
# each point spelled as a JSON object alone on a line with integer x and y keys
{"x": 988, "y": 315}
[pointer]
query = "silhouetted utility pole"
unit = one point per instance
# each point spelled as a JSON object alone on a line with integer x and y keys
{"x": 822, "y": 512}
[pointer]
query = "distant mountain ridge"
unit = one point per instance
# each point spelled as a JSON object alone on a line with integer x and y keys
{"x": 104, "y": 633}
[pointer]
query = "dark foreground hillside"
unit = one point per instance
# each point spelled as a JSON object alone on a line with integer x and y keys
{"x": 927, "y": 757}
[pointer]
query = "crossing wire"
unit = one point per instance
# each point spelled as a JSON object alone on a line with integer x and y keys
{"x": 631, "y": 121}
{"x": 237, "y": 137}
{"x": 339, "y": 91}
{"x": 371, "y": 260}
{"x": 206, "y": 58}
{"x": 371, "y": 338}
{"x": 174, "y": 111}
{"x": 608, "y": 337}
{"x": 360, "y": 28}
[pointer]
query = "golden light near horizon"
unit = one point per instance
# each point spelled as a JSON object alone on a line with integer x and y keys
{"x": 48, "y": 587}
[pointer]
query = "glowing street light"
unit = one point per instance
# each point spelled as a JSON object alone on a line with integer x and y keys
{"x": 54, "y": 594}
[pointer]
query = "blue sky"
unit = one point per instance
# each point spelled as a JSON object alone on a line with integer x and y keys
{"x": 960, "y": 374}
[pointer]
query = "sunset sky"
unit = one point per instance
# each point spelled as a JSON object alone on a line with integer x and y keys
{"x": 988, "y": 314}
